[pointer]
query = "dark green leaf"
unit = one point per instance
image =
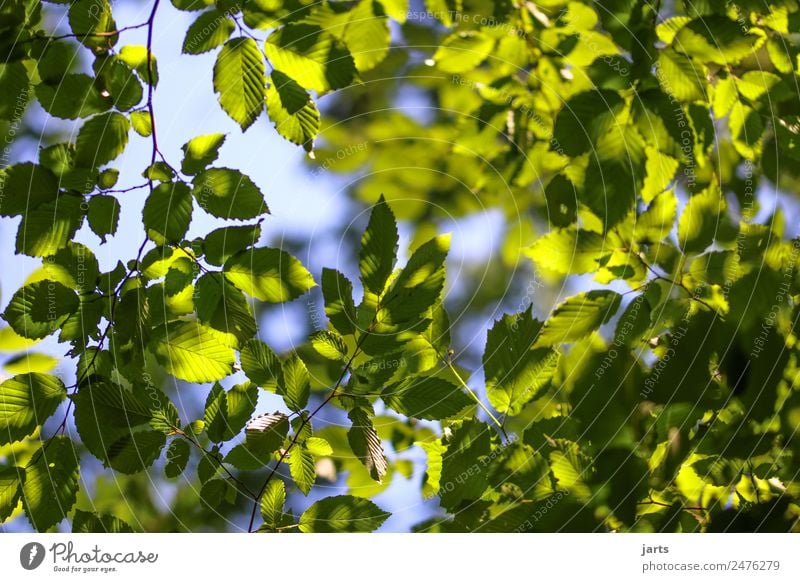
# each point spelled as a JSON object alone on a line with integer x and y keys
{"x": 226, "y": 193}
{"x": 578, "y": 316}
{"x": 378, "y": 252}
{"x": 101, "y": 139}
{"x": 51, "y": 484}
{"x": 310, "y": 56}
{"x": 167, "y": 212}
{"x": 201, "y": 151}
{"x": 207, "y": 32}
{"x": 428, "y": 398}
{"x": 103, "y": 215}
{"x": 37, "y": 310}
{"x": 292, "y": 110}
{"x": 27, "y": 401}
{"x": 342, "y": 513}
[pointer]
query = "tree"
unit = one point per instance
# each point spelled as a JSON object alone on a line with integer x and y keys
{"x": 643, "y": 157}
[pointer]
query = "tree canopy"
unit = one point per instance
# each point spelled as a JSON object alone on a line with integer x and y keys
{"x": 637, "y": 360}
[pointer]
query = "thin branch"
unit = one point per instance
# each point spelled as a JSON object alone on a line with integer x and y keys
{"x": 652, "y": 501}
{"x": 691, "y": 295}
{"x": 243, "y": 30}
{"x": 192, "y": 257}
{"x": 242, "y": 486}
{"x": 150, "y": 88}
{"x": 449, "y": 363}
{"x": 121, "y": 190}
{"x": 106, "y": 34}
{"x": 303, "y": 423}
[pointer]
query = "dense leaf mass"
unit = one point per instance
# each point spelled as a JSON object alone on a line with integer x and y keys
{"x": 625, "y": 359}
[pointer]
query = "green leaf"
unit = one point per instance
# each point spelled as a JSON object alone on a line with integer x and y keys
{"x": 747, "y": 131}
{"x": 216, "y": 409}
{"x": 136, "y": 451}
{"x": 224, "y": 308}
{"x": 468, "y": 448}
{"x": 364, "y": 30}
{"x": 89, "y": 20}
{"x": 716, "y": 39}
{"x": 26, "y": 186}
{"x": 74, "y": 96}
{"x": 118, "y": 83}
{"x": 177, "y": 458}
{"x": 108, "y": 417}
{"x": 160, "y": 171}
{"x": 207, "y": 32}
{"x": 167, "y": 212}
{"x": 660, "y": 170}
{"x": 378, "y": 253}
{"x": 680, "y": 77}
{"x": 228, "y": 412}
{"x": 39, "y": 309}
{"x": 302, "y": 468}
{"x": 297, "y": 383}
{"x": 261, "y": 365}
{"x": 515, "y": 372}
{"x": 191, "y": 352}
{"x": 463, "y": 51}
{"x": 136, "y": 57}
{"x": 103, "y": 215}
{"x": 141, "y": 124}
{"x": 434, "y": 451}
{"x": 366, "y": 444}
{"x": 27, "y": 401}
{"x": 216, "y": 491}
{"x": 266, "y": 433}
{"x": 329, "y": 344}
{"x": 201, "y": 151}
{"x": 101, "y": 139}
{"x": 700, "y": 220}
{"x": 578, "y": 316}
{"x": 226, "y": 193}
{"x": 318, "y": 447}
{"x": 584, "y": 119}
{"x": 9, "y": 491}
{"x": 292, "y": 110}
{"x": 310, "y": 56}
{"x": 49, "y": 227}
{"x": 568, "y": 251}
{"x": 268, "y": 274}
{"x": 222, "y": 243}
{"x": 50, "y": 487}
{"x": 655, "y": 223}
{"x": 342, "y": 513}
{"x": 272, "y": 503}
{"x": 419, "y": 284}
{"x": 88, "y": 522}
{"x": 239, "y": 80}
{"x": 31, "y": 362}
{"x": 191, "y": 5}
{"x": 11, "y": 342}
{"x": 396, "y": 9}
{"x": 339, "y": 306}
{"x": 429, "y": 398}
{"x": 15, "y": 96}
